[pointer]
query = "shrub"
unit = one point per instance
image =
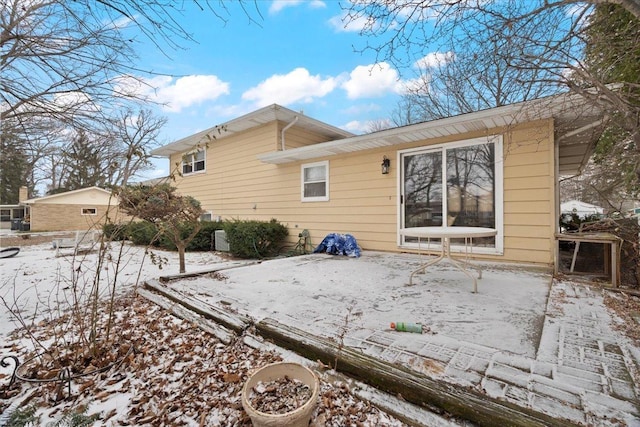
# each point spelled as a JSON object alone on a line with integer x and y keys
{"x": 255, "y": 239}
{"x": 115, "y": 232}
{"x": 143, "y": 233}
{"x": 205, "y": 239}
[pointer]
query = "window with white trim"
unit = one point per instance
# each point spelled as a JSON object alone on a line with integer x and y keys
{"x": 89, "y": 211}
{"x": 193, "y": 162}
{"x": 454, "y": 185}
{"x": 315, "y": 182}
{"x": 206, "y": 217}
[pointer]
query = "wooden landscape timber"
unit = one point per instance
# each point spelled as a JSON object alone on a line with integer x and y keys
{"x": 416, "y": 388}
{"x": 235, "y": 322}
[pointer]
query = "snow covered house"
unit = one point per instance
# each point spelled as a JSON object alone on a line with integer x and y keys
{"x": 582, "y": 209}
{"x": 494, "y": 168}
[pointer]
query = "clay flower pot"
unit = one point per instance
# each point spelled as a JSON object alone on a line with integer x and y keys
{"x": 296, "y": 418}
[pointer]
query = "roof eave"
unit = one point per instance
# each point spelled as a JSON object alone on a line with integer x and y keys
{"x": 256, "y": 118}
{"x": 559, "y": 106}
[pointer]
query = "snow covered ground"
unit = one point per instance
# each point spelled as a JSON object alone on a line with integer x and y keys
{"x": 321, "y": 290}
{"x": 326, "y": 295}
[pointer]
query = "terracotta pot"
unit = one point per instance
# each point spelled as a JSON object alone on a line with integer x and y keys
{"x": 297, "y": 418}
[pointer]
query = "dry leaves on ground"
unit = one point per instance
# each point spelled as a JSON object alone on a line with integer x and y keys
{"x": 627, "y": 307}
{"x": 177, "y": 375}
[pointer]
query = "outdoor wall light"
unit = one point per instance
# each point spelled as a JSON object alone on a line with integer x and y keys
{"x": 386, "y": 165}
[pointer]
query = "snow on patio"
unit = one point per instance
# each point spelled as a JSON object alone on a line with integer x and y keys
{"x": 325, "y": 294}
{"x": 348, "y": 299}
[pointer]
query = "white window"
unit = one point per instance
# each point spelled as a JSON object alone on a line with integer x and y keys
{"x": 193, "y": 162}
{"x": 315, "y": 182}
{"x": 89, "y": 211}
{"x": 206, "y": 217}
{"x": 454, "y": 185}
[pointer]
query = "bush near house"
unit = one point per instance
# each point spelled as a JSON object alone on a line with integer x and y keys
{"x": 203, "y": 241}
{"x": 142, "y": 233}
{"x": 255, "y": 239}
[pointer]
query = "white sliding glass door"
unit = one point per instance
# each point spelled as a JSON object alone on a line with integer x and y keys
{"x": 453, "y": 185}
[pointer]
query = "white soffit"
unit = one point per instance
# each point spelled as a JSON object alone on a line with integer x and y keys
{"x": 571, "y": 113}
{"x": 256, "y": 118}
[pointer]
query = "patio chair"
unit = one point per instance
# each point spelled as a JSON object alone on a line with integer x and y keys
{"x": 83, "y": 241}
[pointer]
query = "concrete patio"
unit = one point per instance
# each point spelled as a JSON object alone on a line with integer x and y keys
{"x": 525, "y": 343}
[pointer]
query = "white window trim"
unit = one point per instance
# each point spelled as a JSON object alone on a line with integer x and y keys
{"x": 497, "y": 140}
{"x": 210, "y": 213}
{"x": 192, "y": 154}
{"x": 324, "y": 198}
{"x": 95, "y": 212}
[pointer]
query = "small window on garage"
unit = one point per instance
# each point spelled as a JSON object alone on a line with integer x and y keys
{"x": 89, "y": 211}
{"x": 315, "y": 182}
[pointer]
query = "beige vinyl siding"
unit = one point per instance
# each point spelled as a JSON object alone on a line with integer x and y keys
{"x": 362, "y": 201}
{"x": 529, "y": 194}
{"x": 296, "y": 137}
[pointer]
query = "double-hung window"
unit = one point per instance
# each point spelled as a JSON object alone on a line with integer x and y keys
{"x": 315, "y": 182}
{"x": 193, "y": 162}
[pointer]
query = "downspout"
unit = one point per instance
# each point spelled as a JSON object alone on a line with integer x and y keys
{"x": 293, "y": 122}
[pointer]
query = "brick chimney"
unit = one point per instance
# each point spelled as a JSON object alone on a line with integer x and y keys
{"x": 23, "y": 194}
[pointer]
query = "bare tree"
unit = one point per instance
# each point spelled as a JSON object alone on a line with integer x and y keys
{"x": 128, "y": 143}
{"x": 69, "y": 64}
{"x": 177, "y": 217}
{"x": 474, "y": 73}
{"x": 546, "y": 39}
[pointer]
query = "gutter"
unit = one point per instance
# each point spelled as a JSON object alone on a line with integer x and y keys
{"x": 293, "y": 122}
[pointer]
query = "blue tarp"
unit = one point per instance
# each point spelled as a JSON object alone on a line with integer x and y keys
{"x": 339, "y": 244}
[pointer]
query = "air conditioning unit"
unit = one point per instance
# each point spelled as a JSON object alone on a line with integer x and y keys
{"x": 221, "y": 241}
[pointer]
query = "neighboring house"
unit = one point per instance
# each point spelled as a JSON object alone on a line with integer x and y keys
{"x": 496, "y": 168}
{"x": 83, "y": 209}
{"x": 582, "y": 209}
{"x": 11, "y": 213}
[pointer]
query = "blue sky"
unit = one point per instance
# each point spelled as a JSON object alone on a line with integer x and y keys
{"x": 298, "y": 54}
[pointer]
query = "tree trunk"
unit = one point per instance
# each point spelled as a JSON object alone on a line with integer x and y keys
{"x": 181, "y": 248}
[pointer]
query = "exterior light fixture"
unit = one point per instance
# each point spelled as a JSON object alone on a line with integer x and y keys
{"x": 386, "y": 165}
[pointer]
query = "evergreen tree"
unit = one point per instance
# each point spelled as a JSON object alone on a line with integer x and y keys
{"x": 613, "y": 55}
{"x": 14, "y": 166}
{"x": 83, "y": 162}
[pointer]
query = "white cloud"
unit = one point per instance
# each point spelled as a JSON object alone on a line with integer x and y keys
{"x": 278, "y": 5}
{"x": 74, "y": 101}
{"x": 355, "y": 126}
{"x": 370, "y": 81}
{"x": 368, "y": 126}
{"x": 296, "y": 86}
{"x": 341, "y": 23}
{"x": 434, "y": 59}
{"x": 175, "y": 94}
{"x": 190, "y": 90}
